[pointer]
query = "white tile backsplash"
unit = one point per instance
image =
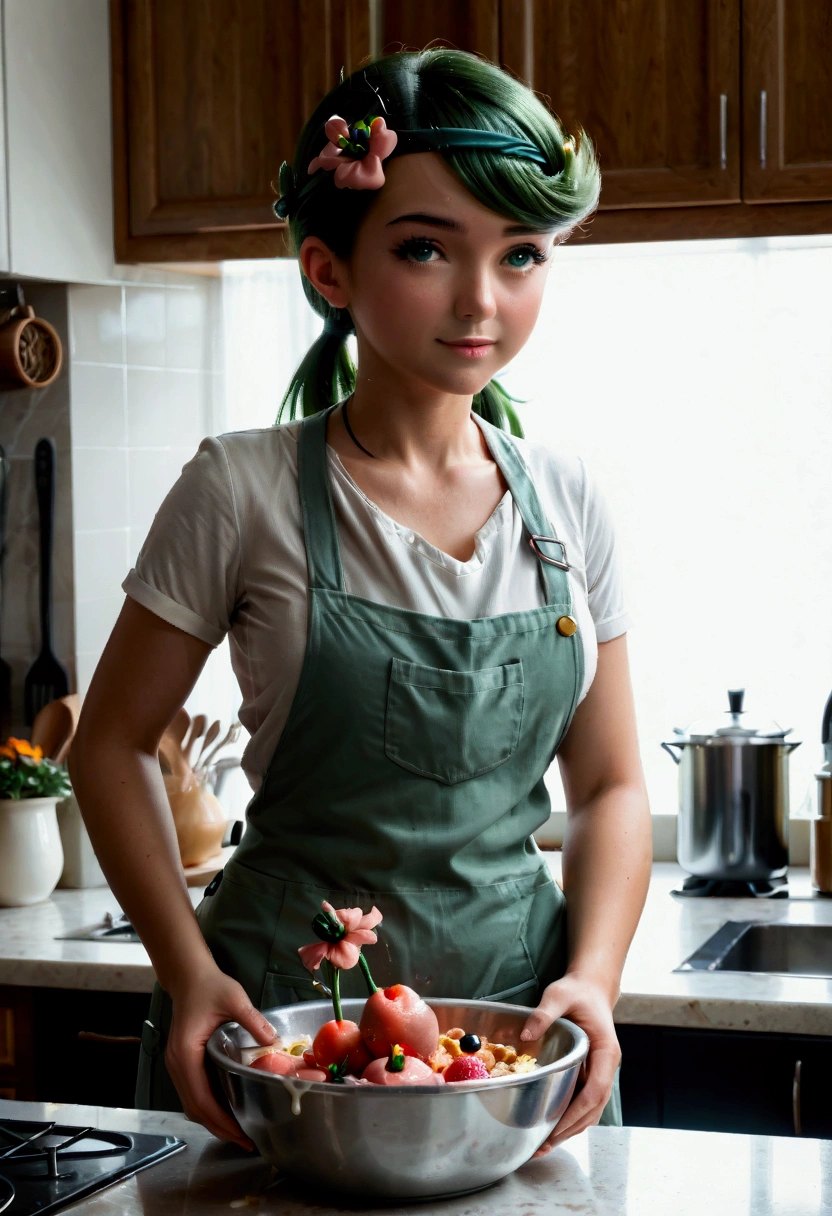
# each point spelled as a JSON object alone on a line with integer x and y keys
{"x": 145, "y": 377}
{"x": 148, "y": 409}
{"x": 85, "y": 662}
{"x": 145, "y": 327}
{"x": 189, "y": 415}
{"x": 94, "y": 620}
{"x": 102, "y": 559}
{"x": 187, "y": 336}
{"x": 96, "y": 324}
{"x": 98, "y": 410}
{"x": 99, "y": 493}
{"x": 167, "y": 408}
{"x": 152, "y": 472}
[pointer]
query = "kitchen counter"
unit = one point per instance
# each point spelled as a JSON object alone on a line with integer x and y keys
{"x": 604, "y": 1172}
{"x": 652, "y": 994}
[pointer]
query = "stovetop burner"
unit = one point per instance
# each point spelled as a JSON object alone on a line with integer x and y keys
{"x": 729, "y": 888}
{"x": 44, "y": 1166}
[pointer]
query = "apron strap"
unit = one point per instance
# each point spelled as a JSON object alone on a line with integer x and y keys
{"x": 551, "y": 552}
{"x": 320, "y": 533}
{"x": 323, "y": 553}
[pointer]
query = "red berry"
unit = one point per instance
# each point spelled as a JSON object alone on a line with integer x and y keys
{"x": 466, "y": 1068}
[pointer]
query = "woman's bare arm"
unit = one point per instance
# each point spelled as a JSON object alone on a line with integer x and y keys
{"x": 146, "y": 672}
{"x": 607, "y": 856}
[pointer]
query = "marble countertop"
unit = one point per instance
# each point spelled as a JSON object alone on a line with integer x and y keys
{"x": 603, "y": 1172}
{"x": 651, "y": 993}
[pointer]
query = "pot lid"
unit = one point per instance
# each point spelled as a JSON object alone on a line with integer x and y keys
{"x": 732, "y": 725}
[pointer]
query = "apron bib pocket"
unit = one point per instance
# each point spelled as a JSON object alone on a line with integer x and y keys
{"x": 452, "y": 725}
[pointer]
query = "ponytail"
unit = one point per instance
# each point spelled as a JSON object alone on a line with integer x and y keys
{"x": 326, "y": 374}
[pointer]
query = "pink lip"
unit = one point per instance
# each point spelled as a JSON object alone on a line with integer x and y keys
{"x": 471, "y": 348}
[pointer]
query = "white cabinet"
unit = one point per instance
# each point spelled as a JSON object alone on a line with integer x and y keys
{"x": 56, "y": 196}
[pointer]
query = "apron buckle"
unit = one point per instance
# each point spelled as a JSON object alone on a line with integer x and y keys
{"x": 535, "y": 540}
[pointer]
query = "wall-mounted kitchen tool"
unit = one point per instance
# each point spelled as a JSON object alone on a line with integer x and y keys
{"x": 30, "y": 349}
{"x": 45, "y": 680}
{"x": 733, "y": 800}
{"x": 820, "y": 841}
{"x": 5, "y": 670}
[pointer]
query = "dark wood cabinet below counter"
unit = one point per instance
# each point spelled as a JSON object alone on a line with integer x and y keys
{"x": 726, "y": 1081}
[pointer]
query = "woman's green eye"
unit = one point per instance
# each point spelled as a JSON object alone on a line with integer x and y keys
{"x": 519, "y": 258}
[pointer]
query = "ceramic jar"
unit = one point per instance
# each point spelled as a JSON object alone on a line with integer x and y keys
{"x": 199, "y": 819}
{"x": 31, "y": 855}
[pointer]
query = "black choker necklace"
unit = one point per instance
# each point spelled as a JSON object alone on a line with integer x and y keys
{"x": 351, "y": 434}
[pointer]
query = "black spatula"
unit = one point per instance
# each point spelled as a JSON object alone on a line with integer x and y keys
{"x": 45, "y": 680}
{"x": 5, "y": 670}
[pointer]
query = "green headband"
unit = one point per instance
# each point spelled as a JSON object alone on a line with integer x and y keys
{"x": 437, "y": 139}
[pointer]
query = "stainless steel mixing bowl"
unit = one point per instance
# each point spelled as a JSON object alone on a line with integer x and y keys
{"x": 402, "y": 1143}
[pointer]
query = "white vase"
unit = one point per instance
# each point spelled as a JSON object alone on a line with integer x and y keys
{"x": 81, "y": 868}
{"x": 31, "y": 856}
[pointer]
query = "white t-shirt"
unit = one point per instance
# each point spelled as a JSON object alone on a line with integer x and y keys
{"x": 225, "y": 555}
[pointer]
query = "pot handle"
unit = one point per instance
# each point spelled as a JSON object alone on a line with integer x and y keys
{"x": 671, "y": 748}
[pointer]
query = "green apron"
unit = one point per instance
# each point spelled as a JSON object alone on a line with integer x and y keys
{"x": 409, "y": 775}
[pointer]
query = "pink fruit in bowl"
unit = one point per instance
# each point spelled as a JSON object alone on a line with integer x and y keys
{"x": 280, "y": 1063}
{"x": 399, "y": 1015}
{"x": 399, "y": 1069}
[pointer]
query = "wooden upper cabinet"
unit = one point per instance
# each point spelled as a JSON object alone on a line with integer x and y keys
{"x": 787, "y": 86}
{"x": 655, "y": 84}
{"x": 469, "y": 25}
{"x": 209, "y": 97}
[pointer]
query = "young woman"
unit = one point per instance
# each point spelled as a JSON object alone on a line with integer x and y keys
{"x": 423, "y": 611}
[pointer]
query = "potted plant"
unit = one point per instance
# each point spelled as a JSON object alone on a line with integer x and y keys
{"x": 31, "y": 857}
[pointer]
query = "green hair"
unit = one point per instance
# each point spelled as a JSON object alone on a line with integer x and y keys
{"x": 416, "y": 90}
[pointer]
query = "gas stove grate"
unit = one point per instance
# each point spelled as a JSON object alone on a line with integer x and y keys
{"x": 44, "y": 1166}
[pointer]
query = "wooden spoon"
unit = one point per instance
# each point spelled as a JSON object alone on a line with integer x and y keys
{"x": 73, "y": 704}
{"x": 170, "y": 752}
{"x": 53, "y": 728}
{"x": 231, "y": 737}
{"x": 198, "y": 724}
{"x": 210, "y": 736}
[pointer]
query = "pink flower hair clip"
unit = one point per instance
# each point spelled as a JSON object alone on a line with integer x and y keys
{"x": 356, "y": 154}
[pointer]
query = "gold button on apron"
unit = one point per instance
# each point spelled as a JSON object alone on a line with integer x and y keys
{"x": 566, "y": 626}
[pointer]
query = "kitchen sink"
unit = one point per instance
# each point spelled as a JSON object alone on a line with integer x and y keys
{"x": 772, "y": 949}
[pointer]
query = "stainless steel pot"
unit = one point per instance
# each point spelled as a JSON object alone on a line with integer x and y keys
{"x": 417, "y": 1142}
{"x": 733, "y": 797}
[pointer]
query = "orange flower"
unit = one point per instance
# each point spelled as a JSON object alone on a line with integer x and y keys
{"x": 21, "y": 747}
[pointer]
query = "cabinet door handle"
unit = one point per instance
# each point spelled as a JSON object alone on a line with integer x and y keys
{"x": 723, "y": 130}
{"x": 797, "y": 1121}
{"x": 763, "y": 127}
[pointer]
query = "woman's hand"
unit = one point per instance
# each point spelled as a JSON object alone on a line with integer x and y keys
{"x": 200, "y": 1005}
{"x": 588, "y": 1004}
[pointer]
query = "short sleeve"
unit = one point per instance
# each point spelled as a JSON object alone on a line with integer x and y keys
{"x": 604, "y": 580}
{"x": 188, "y": 569}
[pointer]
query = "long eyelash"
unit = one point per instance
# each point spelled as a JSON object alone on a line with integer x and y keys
{"x": 536, "y": 255}
{"x": 414, "y": 242}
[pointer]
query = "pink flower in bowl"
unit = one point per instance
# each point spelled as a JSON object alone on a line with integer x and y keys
{"x": 345, "y": 931}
